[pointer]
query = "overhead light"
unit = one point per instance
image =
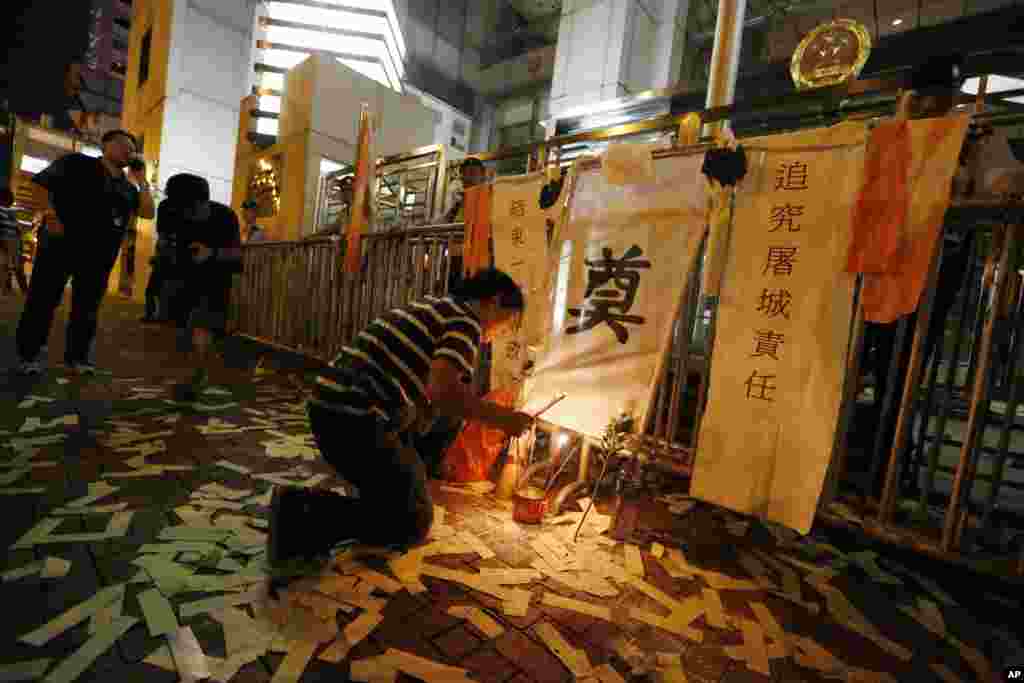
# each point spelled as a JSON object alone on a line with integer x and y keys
{"x": 897, "y": 22}
{"x": 996, "y": 83}
{"x": 93, "y": 152}
{"x": 1015, "y": 100}
{"x": 327, "y": 166}
{"x": 33, "y": 164}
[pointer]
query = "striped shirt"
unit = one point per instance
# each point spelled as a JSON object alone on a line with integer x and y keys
{"x": 386, "y": 370}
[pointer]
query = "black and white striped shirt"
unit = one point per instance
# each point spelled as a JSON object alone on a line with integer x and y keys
{"x": 386, "y": 370}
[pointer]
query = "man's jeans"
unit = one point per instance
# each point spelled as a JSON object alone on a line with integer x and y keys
{"x": 87, "y": 263}
{"x": 394, "y": 506}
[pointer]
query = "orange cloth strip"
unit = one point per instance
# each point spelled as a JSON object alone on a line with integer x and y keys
{"x": 477, "y": 252}
{"x": 936, "y": 145}
{"x": 360, "y": 199}
{"x": 880, "y": 213}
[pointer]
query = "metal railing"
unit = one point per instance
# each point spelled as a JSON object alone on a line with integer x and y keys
{"x": 295, "y": 294}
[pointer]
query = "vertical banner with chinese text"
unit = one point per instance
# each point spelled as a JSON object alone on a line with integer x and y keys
{"x": 519, "y": 228}
{"x": 784, "y": 316}
{"x": 617, "y": 269}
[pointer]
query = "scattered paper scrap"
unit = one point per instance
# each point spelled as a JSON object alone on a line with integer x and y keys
{"x": 23, "y": 491}
{"x": 596, "y": 611}
{"x": 75, "y": 665}
{"x": 295, "y": 662}
{"x": 575, "y": 660}
{"x": 606, "y": 674}
{"x": 55, "y": 568}
{"x": 29, "y": 670}
{"x": 634, "y": 560}
{"x": 479, "y": 619}
{"x": 33, "y": 424}
{"x": 106, "y": 615}
{"x": 158, "y": 612}
{"x": 188, "y": 655}
{"x": 32, "y": 401}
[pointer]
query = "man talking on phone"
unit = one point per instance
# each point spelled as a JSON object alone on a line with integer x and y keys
{"x": 91, "y": 203}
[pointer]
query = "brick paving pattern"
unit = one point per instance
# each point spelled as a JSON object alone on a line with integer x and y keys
{"x": 868, "y": 615}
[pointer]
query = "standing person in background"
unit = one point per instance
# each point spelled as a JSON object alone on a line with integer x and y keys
{"x": 90, "y": 206}
{"x": 253, "y": 231}
{"x": 473, "y": 173}
{"x": 10, "y": 243}
{"x": 208, "y": 250}
{"x": 162, "y": 263}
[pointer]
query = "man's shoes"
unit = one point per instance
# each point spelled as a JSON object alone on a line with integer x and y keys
{"x": 296, "y": 542}
{"x": 289, "y": 506}
{"x": 30, "y": 368}
{"x": 185, "y": 392}
{"x": 84, "y": 369}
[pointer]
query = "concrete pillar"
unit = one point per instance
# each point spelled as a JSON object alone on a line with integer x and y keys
{"x": 611, "y": 48}
{"x": 725, "y": 58}
{"x": 209, "y": 72}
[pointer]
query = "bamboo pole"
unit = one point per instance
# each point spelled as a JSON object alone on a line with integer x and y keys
{"x": 952, "y": 525}
{"x": 1009, "y": 420}
{"x": 908, "y": 402}
{"x": 837, "y": 466}
{"x": 725, "y": 57}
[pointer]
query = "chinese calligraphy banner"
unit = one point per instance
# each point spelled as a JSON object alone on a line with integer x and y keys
{"x": 520, "y": 249}
{"x": 617, "y": 268}
{"x": 784, "y": 316}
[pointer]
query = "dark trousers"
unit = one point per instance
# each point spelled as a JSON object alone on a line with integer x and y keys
{"x": 154, "y": 289}
{"x": 394, "y": 507}
{"x": 87, "y": 263}
{"x": 880, "y": 342}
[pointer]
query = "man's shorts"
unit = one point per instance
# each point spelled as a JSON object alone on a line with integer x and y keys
{"x": 197, "y": 304}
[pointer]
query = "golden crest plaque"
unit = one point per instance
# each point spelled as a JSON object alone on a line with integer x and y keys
{"x": 831, "y": 54}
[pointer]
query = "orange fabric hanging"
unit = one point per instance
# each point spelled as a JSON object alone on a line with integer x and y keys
{"x": 936, "y": 145}
{"x": 477, "y": 253}
{"x": 880, "y": 214}
{"x": 477, "y": 447}
{"x": 360, "y": 198}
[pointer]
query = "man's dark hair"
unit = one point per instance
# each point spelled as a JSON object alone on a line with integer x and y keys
{"x": 491, "y": 283}
{"x": 471, "y": 162}
{"x": 6, "y": 196}
{"x": 111, "y": 134}
{"x": 186, "y": 188}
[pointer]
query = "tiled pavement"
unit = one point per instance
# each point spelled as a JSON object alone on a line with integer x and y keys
{"x": 916, "y": 631}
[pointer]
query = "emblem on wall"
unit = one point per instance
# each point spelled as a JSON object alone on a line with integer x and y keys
{"x": 830, "y": 55}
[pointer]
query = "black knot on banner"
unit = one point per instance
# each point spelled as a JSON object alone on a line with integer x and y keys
{"x": 727, "y": 166}
{"x": 550, "y": 192}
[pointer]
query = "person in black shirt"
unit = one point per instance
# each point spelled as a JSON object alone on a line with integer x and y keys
{"x": 91, "y": 204}
{"x": 207, "y": 250}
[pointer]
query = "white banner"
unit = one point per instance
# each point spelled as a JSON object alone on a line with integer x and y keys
{"x": 519, "y": 228}
{"x": 617, "y": 269}
{"x": 782, "y": 337}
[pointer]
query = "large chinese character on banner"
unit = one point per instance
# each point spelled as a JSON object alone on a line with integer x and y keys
{"x": 617, "y": 269}
{"x": 520, "y": 249}
{"x": 784, "y": 316}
